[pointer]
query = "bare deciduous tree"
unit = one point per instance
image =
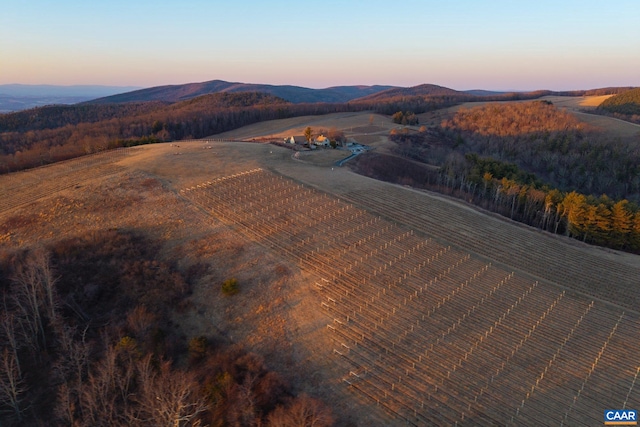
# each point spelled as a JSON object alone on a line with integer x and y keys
{"x": 34, "y": 297}
{"x": 65, "y": 410}
{"x": 303, "y": 411}
{"x": 8, "y": 332}
{"x": 12, "y": 384}
{"x": 105, "y": 395}
{"x": 166, "y": 397}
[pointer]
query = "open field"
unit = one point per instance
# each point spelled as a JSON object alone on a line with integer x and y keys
{"x": 365, "y": 128}
{"x": 350, "y": 123}
{"x": 613, "y": 126}
{"x": 397, "y": 306}
{"x": 577, "y": 102}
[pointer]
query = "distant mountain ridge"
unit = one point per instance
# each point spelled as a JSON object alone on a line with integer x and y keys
{"x": 22, "y": 97}
{"x": 294, "y": 94}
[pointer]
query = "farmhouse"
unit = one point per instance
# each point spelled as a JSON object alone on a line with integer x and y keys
{"x": 322, "y": 141}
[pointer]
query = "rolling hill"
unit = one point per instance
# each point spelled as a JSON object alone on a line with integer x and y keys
{"x": 624, "y": 103}
{"x": 420, "y": 90}
{"x": 295, "y": 94}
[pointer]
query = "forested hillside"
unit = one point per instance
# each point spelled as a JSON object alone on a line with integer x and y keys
{"x": 49, "y": 134}
{"x": 530, "y": 162}
{"x": 552, "y": 144}
{"x": 55, "y": 116}
{"x": 625, "y": 105}
{"x": 86, "y": 340}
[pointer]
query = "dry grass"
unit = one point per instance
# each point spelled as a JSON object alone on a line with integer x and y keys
{"x": 352, "y": 124}
{"x": 612, "y": 126}
{"x": 593, "y": 101}
{"x": 322, "y": 157}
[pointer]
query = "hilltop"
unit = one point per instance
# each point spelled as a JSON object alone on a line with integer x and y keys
{"x": 420, "y": 90}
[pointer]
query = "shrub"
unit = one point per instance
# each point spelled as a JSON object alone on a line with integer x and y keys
{"x": 197, "y": 348}
{"x": 230, "y": 287}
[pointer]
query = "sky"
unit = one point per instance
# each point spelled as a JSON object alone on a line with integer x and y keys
{"x": 464, "y": 44}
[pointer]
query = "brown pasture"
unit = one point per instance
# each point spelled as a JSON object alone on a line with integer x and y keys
{"x": 350, "y": 123}
{"x": 395, "y": 306}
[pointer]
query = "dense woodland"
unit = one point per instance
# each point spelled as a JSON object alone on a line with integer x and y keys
{"x": 86, "y": 340}
{"x": 530, "y": 162}
{"x": 553, "y": 145}
{"x": 625, "y": 106}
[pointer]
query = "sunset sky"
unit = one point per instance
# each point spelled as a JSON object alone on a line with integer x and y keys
{"x": 497, "y": 45}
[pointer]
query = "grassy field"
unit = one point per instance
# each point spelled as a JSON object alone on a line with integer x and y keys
{"x": 350, "y": 123}
{"x": 425, "y": 296}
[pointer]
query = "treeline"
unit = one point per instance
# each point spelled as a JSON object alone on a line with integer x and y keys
{"x": 597, "y": 220}
{"x": 523, "y": 96}
{"x": 417, "y": 104}
{"x": 55, "y": 116}
{"x": 49, "y": 134}
{"x": 506, "y": 189}
{"x": 86, "y": 340}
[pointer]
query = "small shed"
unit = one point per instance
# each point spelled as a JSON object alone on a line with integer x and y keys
{"x": 295, "y": 140}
